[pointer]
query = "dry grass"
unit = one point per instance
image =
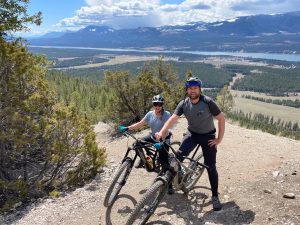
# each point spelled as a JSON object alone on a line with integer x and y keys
{"x": 263, "y": 95}
{"x": 277, "y": 111}
{"x": 119, "y": 59}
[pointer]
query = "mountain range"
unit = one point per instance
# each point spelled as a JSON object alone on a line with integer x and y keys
{"x": 260, "y": 33}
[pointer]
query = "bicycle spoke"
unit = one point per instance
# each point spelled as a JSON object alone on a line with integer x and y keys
{"x": 147, "y": 205}
{"x": 197, "y": 171}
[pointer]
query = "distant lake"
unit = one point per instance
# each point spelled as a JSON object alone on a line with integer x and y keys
{"x": 274, "y": 56}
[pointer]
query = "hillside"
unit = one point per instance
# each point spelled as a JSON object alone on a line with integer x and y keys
{"x": 260, "y": 33}
{"x": 256, "y": 169}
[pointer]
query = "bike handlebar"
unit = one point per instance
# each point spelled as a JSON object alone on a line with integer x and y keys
{"x": 126, "y": 133}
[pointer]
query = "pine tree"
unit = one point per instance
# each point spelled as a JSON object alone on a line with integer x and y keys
{"x": 225, "y": 100}
{"x": 14, "y": 16}
{"x": 44, "y": 145}
{"x": 130, "y": 97}
{"x": 295, "y": 126}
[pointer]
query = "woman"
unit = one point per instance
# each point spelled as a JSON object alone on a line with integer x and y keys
{"x": 156, "y": 120}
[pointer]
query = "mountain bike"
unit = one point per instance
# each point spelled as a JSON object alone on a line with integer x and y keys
{"x": 149, "y": 159}
{"x": 183, "y": 178}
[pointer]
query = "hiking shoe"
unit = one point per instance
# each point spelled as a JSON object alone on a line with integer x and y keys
{"x": 216, "y": 203}
{"x": 139, "y": 164}
{"x": 170, "y": 189}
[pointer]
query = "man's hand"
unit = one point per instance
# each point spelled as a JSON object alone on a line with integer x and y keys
{"x": 214, "y": 142}
{"x": 221, "y": 128}
{"x": 159, "y": 136}
{"x": 157, "y": 146}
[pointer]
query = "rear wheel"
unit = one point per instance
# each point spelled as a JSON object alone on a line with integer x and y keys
{"x": 193, "y": 177}
{"x": 118, "y": 182}
{"x": 148, "y": 204}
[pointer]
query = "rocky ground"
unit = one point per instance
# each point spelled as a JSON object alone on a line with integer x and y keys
{"x": 259, "y": 184}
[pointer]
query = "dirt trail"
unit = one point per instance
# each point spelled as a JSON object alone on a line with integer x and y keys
{"x": 246, "y": 160}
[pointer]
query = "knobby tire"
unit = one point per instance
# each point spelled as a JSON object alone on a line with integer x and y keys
{"x": 148, "y": 204}
{"x": 117, "y": 183}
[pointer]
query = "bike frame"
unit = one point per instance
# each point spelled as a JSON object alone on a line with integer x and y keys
{"x": 172, "y": 174}
{"x": 153, "y": 196}
{"x": 138, "y": 148}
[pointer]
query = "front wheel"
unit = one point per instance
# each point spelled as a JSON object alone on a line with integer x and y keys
{"x": 148, "y": 204}
{"x": 118, "y": 182}
{"x": 194, "y": 176}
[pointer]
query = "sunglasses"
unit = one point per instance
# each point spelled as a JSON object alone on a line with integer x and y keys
{"x": 157, "y": 104}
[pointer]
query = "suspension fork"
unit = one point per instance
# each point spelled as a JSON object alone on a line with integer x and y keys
{"x": 127, "y": 153}
{"x": 140, "y": 153}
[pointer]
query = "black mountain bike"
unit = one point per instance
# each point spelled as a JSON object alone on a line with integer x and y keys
{"x": 183, "y": 177}
{"x": 141, "y": 149}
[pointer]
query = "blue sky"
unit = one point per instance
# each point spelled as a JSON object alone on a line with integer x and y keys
{"x": 75, "y": 14}
{"x": 55, "y": 10}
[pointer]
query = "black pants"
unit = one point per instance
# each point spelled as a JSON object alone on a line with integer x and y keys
{"x": 162, "y": 154}
{"x": 190, "y": 141}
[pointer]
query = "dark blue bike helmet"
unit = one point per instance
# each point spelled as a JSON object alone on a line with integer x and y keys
{"x": 193, "y": 81}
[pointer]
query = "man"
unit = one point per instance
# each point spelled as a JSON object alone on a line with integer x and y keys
{"x": 199, "y": 110}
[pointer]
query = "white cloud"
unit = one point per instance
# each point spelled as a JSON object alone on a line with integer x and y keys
{"x": 169, "y": 8}
{"x": 266, "y": 6}
{"x": 136, "y": 13}
{"x": 116, "y": 13}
